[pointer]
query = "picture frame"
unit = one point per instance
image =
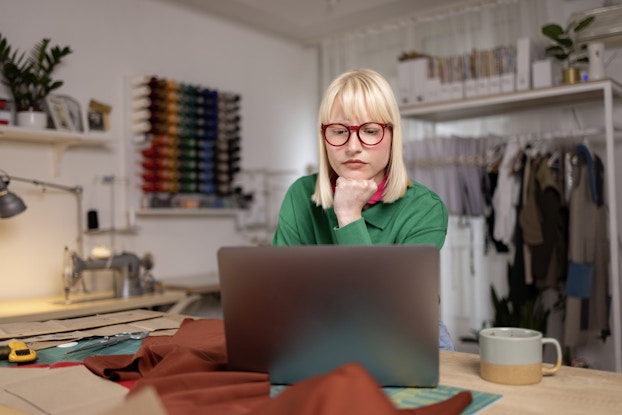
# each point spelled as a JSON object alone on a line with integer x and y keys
{"x": 98, "y": 116}
{"x": 65, "y": 112}
{"x": 75, "y": 112}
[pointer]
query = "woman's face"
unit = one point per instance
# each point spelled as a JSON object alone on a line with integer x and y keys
{"x": 355, "y": 160}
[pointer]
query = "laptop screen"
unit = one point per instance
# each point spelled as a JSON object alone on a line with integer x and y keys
{"x": 299, "y": 311}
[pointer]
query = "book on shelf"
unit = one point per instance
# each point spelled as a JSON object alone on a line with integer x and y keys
{"x": 425, "y": 79}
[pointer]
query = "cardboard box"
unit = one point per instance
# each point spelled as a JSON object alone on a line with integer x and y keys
{"x": 412, "y": 76}
{"x": 494, "y": 85}
{"x": 524, "y": 56}
{"x": 433, "y": 90}
{"x": 470, "y": 88}
{"x": 508, "y": 83}
{"x": 404, "y": 84}
{"x": 419, "y": 73}
{"x": 457, "y": 90}
{"x": 546, "y": 73}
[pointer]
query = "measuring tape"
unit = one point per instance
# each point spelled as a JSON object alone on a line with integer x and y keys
{"x": 17, "y": 352}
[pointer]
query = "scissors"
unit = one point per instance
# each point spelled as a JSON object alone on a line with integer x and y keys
{"x": 112, "y": 340}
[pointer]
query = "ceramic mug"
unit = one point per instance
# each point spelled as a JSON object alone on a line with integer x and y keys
{"x": 513, "y": 356}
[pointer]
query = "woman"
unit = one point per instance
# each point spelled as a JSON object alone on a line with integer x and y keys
{"x": 362, "y": 193}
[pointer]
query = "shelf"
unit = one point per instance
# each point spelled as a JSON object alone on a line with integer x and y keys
{"x": 188, "y": 212}
{"x": 602, "y": 94}
{"x": 120, "y": 231}
{"x": 60, "y": 140}
{"x": 512, "y": 102}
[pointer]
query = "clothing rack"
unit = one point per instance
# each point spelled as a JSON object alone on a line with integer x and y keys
{"x": 541, "y": 142}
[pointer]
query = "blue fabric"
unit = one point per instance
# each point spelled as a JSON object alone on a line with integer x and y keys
{"x": 445, "y": 342}
{"x": 582, "y": 149}
{"x": 579, "y": 281}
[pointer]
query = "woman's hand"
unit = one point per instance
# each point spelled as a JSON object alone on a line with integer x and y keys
{"x": 351, "y": 195}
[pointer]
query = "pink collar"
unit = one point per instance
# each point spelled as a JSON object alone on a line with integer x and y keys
{"x": 377, "y": 197}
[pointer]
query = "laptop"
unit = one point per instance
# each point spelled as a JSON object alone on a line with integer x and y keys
{"x": 299, "y": 311}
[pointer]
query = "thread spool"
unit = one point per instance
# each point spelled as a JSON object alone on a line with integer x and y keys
{"x": 92, "y": 219}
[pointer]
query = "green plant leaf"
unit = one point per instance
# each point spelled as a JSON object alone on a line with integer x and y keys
{"x": 565, "y": 42}
{"x": 554, "y": 49}
{"x": 557, "y": 52}
{"x": 552, "y": 31}
{"x": 530, "y": 314}
{"x": 583, "y": 24}
{"x": 29, "y": 78}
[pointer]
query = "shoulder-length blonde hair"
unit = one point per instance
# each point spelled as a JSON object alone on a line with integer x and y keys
{"x": 360, "y": 92}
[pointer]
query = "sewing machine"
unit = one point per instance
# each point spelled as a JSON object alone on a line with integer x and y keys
{"x": 128, "y": 280}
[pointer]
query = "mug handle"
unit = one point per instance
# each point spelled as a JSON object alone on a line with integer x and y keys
{"x": 549, "y": 370}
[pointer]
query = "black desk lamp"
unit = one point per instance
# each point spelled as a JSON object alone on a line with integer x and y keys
{"x": 11, "y": 204}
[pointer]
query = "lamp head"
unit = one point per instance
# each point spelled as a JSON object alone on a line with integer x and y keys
{"x": 10, "y": 203}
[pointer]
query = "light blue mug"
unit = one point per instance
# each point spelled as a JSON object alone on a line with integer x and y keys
{"x": 513, "y": 356}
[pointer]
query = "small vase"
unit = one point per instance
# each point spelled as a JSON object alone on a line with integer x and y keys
{"x": 571, "y": 76}
{"x": 36, "y": 120}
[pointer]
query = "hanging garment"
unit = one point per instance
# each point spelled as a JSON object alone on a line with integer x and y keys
{"x": 506, "y": 195}
{"x": 494, "y": 156}
{"x": 471, "y": 174}
{"x": 529, "y": 215}
{"x": 549, "y": 257}
{"x": 588, "y": 245}
{"x": 520, "y": 291}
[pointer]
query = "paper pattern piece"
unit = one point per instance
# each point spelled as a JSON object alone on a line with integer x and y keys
{"x": 54, "y": 391}
{"x": 24, "y": 329}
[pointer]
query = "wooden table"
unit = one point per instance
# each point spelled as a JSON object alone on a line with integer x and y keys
{"x": 48, "y": 308}
{"x": 194, "y": 284}
{"x": 570, "y": 391}
{"x": 195, "y": 287}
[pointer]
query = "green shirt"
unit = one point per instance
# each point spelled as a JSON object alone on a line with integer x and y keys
{"x": 419, "y": 217}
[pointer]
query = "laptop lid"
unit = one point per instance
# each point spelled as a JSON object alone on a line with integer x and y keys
{"x": 299, "y": 311}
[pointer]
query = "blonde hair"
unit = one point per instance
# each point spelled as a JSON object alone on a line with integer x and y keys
{"x": 361, "y": 93}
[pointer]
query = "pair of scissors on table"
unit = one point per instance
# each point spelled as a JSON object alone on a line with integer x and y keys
{"x": 112, "y": 340}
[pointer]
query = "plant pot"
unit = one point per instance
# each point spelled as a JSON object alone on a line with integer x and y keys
{"x": 36, "y": 120}
{"x": 571, "y": 76}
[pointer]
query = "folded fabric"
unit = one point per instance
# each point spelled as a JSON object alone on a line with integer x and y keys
{"x": 349, "y": 390}
{"x": 189, "y": 372}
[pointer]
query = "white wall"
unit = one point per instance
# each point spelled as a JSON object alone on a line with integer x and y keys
{"x": 116, "y": 39}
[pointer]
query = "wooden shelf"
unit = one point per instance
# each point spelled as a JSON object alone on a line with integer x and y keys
{"x": 601, "y": 94}
{"x": 105, "y": 231}
{"x": 188, "y": 212}
{"x": 60, "y": 140}
{"x": 512, "y": 102}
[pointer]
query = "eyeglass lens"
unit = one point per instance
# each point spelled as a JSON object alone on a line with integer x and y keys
{"x": 370, "y": 133}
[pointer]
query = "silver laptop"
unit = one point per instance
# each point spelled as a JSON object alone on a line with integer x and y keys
{"x": 299, "y": 311}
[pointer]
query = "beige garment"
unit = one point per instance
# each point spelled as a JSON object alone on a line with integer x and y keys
{"x": 528, "y": 218}
{"x": 587, "y": 244}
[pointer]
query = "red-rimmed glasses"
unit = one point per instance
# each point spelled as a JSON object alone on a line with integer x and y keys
{"x": 369, "y": 134}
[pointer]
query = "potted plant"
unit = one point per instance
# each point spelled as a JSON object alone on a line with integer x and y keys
{"x": 29, "y": 77}
{"x": 566, "y": 48}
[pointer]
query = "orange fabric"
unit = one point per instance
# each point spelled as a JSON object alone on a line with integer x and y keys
{"x": 188, "y": 370}
{"x": 349, "y": 390}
